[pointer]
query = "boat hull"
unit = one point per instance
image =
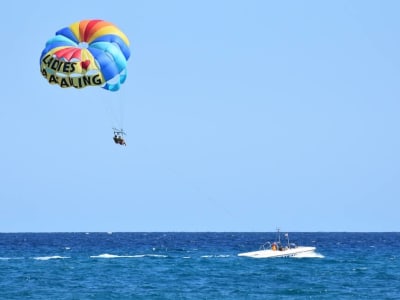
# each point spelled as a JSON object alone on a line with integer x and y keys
{"x": 292, "y": 252}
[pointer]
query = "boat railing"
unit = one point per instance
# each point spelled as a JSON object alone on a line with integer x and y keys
{"x": 265, "y": 246}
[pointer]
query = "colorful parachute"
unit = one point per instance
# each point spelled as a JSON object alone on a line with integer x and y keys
{"x": 87, "y": 53}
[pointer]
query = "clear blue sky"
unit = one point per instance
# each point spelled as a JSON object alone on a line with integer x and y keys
{"x": 241, "y": 116}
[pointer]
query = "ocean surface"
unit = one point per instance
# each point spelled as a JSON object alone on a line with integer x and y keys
{"x": 196, "y": 266}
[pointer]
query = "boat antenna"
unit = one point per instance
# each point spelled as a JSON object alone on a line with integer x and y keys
{"x": 287, "y": 237}
{"x": 278, "y": 231}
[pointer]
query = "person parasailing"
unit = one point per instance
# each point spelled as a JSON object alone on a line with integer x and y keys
{"x": 118, "y": 136}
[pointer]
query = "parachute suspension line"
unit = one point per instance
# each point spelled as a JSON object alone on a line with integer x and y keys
{"x": 110, "y": 113}
{"x": 114, "y": 110}
{"x": 120, "y": 103}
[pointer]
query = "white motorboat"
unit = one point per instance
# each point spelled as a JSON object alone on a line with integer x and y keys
{"x": 277, "y": 249}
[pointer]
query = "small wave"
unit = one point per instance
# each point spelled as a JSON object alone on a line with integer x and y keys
{"x": 106, "y": 255}
{"x": 50, "y": 257}
{"x": 156, "y": 255}
{"x": 10, "y": 258}
{"x": 216, "y": 256}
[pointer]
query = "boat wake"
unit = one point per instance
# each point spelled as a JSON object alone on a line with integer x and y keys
{"x": 309, "y": 255}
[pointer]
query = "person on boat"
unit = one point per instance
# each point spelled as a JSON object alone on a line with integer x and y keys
{"x": 273, "y": 247}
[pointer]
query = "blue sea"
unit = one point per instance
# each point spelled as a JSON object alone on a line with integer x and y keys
{"x": 196, "y": 266}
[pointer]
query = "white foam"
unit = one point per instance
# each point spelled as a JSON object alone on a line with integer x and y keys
{"x": 156, "y": 255}
{"x": 50, "y": 257}
{"x": 215, "y": 256}
{"x": 106, "y": 255}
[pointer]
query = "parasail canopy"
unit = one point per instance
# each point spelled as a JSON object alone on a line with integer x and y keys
{"x": 87, "y": 53}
